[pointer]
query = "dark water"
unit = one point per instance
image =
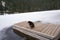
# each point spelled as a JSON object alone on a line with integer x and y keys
{"x": 8, "y": 34}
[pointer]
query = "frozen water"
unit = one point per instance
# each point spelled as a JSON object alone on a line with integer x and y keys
{"x": 6, "y": 21}
{"x": 8, "y": 34}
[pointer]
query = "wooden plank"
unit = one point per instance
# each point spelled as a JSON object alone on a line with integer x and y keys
{"x": 37, "y": 37}
{"x": 47, "y": 30}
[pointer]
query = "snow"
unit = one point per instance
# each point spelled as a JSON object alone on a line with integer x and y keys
{"x": 6, "y": 22}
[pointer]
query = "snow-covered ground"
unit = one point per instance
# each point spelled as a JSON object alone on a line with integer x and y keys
{"x": 6, "y": 22}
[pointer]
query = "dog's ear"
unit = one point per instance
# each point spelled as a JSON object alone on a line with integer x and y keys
{"x": 31, "y": 24}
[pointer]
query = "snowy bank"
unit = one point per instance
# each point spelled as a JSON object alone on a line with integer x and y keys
{"x": 7, "y": 21}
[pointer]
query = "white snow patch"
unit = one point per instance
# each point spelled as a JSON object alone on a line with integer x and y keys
{"x": 44, "y": 16}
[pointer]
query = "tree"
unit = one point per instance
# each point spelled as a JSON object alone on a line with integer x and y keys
{"x": 31, "y": 5}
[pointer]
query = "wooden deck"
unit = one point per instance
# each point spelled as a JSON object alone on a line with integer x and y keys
{"x": 46, "y": 30}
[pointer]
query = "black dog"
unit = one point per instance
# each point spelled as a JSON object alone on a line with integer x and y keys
{"x": 31, "y": 24}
